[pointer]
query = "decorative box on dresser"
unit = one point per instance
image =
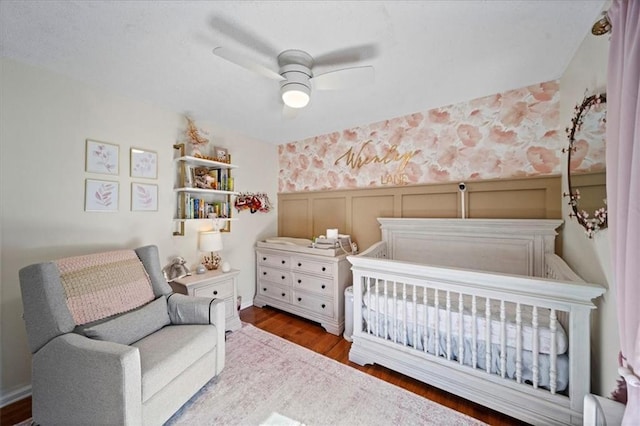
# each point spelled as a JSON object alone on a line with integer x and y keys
{"x": 215, "y": 283}
{"x": 306, "y": 282}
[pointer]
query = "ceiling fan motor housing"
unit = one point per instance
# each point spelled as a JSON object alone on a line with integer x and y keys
{"x": 295, "y": 67}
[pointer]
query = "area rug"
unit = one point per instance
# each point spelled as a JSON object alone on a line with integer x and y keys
{"x": 266, "y": 378}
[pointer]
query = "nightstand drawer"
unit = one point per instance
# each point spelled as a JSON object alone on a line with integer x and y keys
{"x": 273, "y": 291}
{"x": 269, "y": 259}
{"x": 219, "y": 290}
{"x": 274, "y": 275}
{"x": 313, "y": 284}
{"x": 313, "y": 266}
{"x": 313, "y": 303}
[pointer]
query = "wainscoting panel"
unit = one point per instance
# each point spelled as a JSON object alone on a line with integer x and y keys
{"x": 366, "y": 208}
{"x": 328, "y": 213}
{"x": 298, "y": 218}
{"x": 430, "y": 205}
{"x": 354, "y": 212}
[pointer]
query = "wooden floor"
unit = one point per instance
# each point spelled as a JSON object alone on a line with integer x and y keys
{"x": 312, "y": 336}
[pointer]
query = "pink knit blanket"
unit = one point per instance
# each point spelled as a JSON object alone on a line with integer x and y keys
{"x": 100, "y": 285}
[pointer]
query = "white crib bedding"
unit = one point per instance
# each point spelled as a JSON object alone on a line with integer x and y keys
{"x": 527, "y": 361}
{"x": 376, "y": 301}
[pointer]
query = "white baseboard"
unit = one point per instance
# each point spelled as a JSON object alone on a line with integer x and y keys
{"x": 15, "y": 395}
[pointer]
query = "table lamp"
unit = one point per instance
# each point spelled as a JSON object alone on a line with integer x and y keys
{"x": 210, "y": 241}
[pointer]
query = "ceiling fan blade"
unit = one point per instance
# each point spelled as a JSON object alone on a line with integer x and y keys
{"x": 242, "y": 36}
{"x": 347, "y": 55}
{"x": 246, "y": 63}
{"x": 345, "y": 78}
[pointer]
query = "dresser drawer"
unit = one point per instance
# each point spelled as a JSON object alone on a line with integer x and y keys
{"x": 313, "y": 303}
{"x": 273, "y": 291}
{"x": 312, "y": 283}
{"x": 278, "y": 276}
{"x": 313, "y": 266}
{"x": 218, "y": 290}
{"x": 270, "y": 259}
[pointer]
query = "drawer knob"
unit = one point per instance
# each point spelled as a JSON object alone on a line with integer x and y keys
{"x": 283, "y": 277}
{"x": 324, "y": 269}
{"x": 264, "y": 258}
{"x": 323, "y": 286}
{"x": 299, "y": 264}
{"x": 283, "y": 262}
{"x": 284, "y": 294}
{"x": 264, "y": 273}
{"x": 299, "y": 299}
{"x": 264, "y": 289}
{"x": 323, "y": 306}
{"x": 215, "y": 292}
{"x": 299, "y": 281}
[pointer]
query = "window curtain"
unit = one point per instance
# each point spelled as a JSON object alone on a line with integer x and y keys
{"x": 623, "y": 188}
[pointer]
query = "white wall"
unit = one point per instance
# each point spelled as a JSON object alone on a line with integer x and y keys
{"x": 44, "y": 121}
{"x": 590, "y": 257}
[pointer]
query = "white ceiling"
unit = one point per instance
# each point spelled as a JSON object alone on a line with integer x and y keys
{"x": 426, "y": 54}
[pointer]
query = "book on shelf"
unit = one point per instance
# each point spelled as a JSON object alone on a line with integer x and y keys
{"x": 198, "y": 208}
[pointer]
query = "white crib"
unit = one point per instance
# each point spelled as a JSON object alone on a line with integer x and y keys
{"x": 481, "y": 308}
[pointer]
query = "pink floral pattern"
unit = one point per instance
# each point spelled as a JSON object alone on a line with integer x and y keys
{"x": 511, "y": 134}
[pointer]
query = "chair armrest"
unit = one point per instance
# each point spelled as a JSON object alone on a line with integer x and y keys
{"x": 195, "y": 310}
{"x": 200, "y": 310}
{"x": 77, "y": 380}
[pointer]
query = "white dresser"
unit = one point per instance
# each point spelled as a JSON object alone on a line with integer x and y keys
{"x": 309, "y": 283}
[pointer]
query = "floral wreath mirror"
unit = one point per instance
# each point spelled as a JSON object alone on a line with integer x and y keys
{"x": 586, "y": 164}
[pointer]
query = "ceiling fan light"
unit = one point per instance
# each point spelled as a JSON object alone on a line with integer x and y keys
{"x": 295, "y": 95}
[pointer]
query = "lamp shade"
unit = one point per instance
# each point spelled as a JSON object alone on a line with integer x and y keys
{"x": 210, "y": 241}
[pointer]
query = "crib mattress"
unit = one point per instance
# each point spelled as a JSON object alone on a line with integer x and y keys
{"x": 403, "y": 311}
{"x": 395, "y": 331}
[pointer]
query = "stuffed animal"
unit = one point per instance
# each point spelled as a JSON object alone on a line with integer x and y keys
{"x": 176, "y": 269}
{"x": 203, "y": 179}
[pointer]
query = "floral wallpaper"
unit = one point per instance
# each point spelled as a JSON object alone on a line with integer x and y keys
{"x": 511, "y": 134}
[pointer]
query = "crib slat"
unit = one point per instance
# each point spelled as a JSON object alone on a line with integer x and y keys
{"x": 518, "y": 343}
{"x": 535, "y": 349}
{"x": 415, "y": 317}
{"x": 503, "y": 343}
{"x": 474, "y": 338}
{"x": 487, "y": 335}
{"x": 369, "y": 314}
{"x": 378, "y": 310}
{"x": 460, "y": 328}
{"x": 395, "y": 312}
{"x": 385, "y": 316}
{"x": 403, "y": 320}
{"x": 448, "y": 307}
{"x": 553, "y": 325}
{"x": 425, "y": 329}
{"x": 436, "y": 313}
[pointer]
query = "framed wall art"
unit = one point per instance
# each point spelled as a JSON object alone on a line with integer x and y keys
{"x": 144, "y": 164}
{"x": 101, "y": 195}
{"x": 220, "y": 154}
{"x": 144, "y": 197}
{"x": 102, "y": 157}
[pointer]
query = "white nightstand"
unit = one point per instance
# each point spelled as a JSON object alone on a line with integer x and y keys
{"x": 218, "y": 284}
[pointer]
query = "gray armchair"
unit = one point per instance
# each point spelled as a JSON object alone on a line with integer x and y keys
{"x": 111, "y": 344}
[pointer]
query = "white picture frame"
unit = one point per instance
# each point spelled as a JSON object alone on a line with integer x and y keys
{"x": 144, "y": 163}
{"x": 102, "y": 157}
{"x": 101, "y": 195}
{"x": 144, "y": 197}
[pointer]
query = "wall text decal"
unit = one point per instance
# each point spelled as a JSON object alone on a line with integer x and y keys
{"x": 361, "y": 158}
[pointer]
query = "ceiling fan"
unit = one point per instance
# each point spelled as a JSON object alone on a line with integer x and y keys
{"x": 296, "y": 76}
